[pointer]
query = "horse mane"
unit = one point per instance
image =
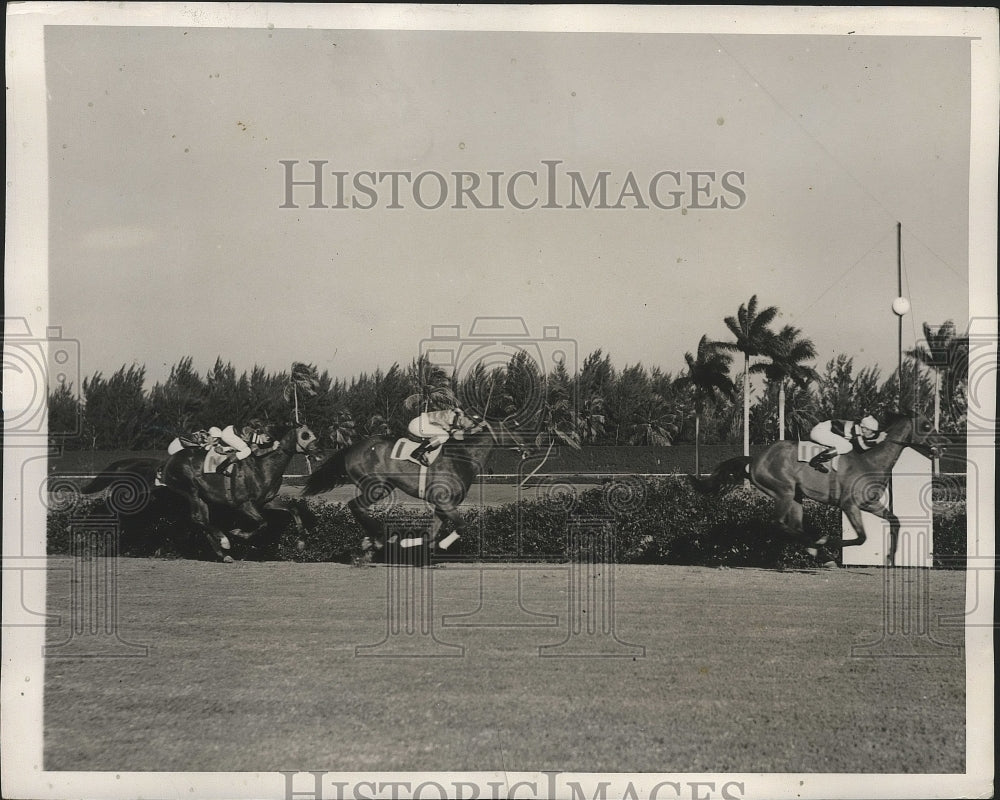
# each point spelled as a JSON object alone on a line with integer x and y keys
{"x": 903, "y": 415}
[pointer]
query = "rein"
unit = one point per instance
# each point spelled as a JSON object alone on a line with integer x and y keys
{"x": 496, "y": 440}
{"x": 920, "y": 447}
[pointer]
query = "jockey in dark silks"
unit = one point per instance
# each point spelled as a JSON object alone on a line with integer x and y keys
{"x": 254, "y": 432}
{"x": 843, "y": 436}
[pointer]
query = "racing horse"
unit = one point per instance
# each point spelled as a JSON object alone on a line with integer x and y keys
{"x": 368, "y": 465}
{"x": 856, "y": 485}
{"x": 248, "y": 491}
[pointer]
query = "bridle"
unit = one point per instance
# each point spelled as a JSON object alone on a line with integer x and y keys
{"x": 299, "y": 447}
{"x": 928, "y": 450}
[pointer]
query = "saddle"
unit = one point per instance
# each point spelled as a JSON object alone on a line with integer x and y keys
{"x": 403, "y": 449}
{"x": 807, "y": 450}
{"x": 213, "y": 457}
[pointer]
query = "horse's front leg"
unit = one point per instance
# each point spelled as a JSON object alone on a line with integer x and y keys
{"x": 881, "y": 510}
{"x": 449, "y": 519}
{"x": 216, "y": 538}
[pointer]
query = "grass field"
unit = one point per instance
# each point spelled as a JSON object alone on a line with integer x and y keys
{"x": 252, "y": 666}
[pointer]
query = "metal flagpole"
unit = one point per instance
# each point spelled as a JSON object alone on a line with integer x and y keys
{"x": 900, "y": 307}
{"x": 899, "y": 320}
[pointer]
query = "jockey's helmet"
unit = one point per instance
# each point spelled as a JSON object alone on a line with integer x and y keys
{"x": 215, "y": 432}
{"x": 870, "y": 423}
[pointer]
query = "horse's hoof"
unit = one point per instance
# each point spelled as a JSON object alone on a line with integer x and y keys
{"x": 830, "y": 565}
{"x": 227, "y": 559}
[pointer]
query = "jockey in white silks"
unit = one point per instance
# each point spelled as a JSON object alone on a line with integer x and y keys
{"x": 842, "y": 436}
{"x": 433, "y": 428}
{"x": 229, "y": 437}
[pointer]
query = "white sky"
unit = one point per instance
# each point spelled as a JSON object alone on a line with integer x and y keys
{"x": 166, "y": 236}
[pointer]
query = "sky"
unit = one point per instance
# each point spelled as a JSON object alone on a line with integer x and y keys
{"x": 167, "y": 237}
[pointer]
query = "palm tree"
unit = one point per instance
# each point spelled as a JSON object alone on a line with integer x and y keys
{"x": 708, "y": 377}
{"x": 938, "y": 354}
{"x": 341, "y": 430}
{"x": 555, "y": 426}
{"x": 304, "y": 380}
{"x": 654, "y": 424}
{"x": 753, "y": 339}
{"x": 430, "y": 384}
{"x": 787, "y": 352}
{"x": 589, "y": 419}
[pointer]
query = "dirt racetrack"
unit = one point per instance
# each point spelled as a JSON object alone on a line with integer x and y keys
{"x": 253, "y": 666}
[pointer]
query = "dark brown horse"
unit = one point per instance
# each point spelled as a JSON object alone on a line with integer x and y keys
{"x": 249, "y": 490}
{"x": 856, "y": 485}
{"x": 367, "y": 464}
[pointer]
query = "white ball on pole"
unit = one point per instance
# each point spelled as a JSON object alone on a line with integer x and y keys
{"x": 901, "y": 306}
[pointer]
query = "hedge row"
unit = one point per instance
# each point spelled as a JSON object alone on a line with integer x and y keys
{"x": 656, "y": 520}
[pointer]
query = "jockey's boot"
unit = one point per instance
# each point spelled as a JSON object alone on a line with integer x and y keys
{"x": 419, "y": 456}
{"x": 819, "y": 460}
{"x": 223, "y": 468}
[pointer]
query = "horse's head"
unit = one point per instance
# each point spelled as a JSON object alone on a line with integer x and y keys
{"x": 913, "y": 429}
{"x": 295, "y": 438}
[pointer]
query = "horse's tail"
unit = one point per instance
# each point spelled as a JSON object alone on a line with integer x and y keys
{"x": 126, "y": 468}
{"x": 724, "y": 473}
{"x": 331, "y": 473}
{"x": 102, "y": 481}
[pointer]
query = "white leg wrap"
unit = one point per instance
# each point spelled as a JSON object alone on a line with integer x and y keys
{"x": 448, "y": 540}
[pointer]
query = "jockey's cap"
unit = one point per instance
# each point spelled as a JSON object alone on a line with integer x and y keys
{"x": 215, "y": 432}
{"x": 870, "y": 422}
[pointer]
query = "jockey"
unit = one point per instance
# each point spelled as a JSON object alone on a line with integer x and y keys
{"x": 228, "y": 436}
{"x": 257, "y": 435}
{"x": 196, "y": 439}
{"x": 842, "y": 436}
{"x": 433, "y": 428}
